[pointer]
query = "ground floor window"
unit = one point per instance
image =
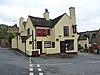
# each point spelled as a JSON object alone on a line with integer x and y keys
{"x": 47, "y": 44}
{"x": 69, "y": 44}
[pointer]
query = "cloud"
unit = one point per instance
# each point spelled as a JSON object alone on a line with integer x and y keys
{"x": 87, "y": 12}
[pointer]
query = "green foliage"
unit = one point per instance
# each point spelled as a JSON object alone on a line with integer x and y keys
{"x": 1, "y": 33}
{"x": 10, "y": 36}
{"x": 3, "y": 30}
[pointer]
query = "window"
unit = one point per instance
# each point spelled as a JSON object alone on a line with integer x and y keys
{"x": 85, "y": 45}
{"x": 69, "y": 44}
{"x": 74, "y": 29}
{"x": 53, "y": 44}
{"x": 48, "y": 31}
{"x": 47, "y": 44}
{"x": 30, "y": 42}
{"x": 28, "y": 31}
{"x": 66, "y": 31}
{"x": 93, "y": 36}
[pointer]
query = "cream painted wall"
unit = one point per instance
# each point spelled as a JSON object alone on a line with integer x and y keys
{"x": 83, "y": 42}
{"x": 29, "y": 46}
{"x": 14, "y": 43}
{"x": 21, "y": 26}
{"x": 65, "y": 21}
{"x": 72, "y": 15}
{"x": 59, "y": 31}
{"x": 76, "y": 42}
{"x": 24, "y": 33}
{"x": 43, "y": 39}
{"x": 54, "y": 34}
{"x": 30, "y": 25}
{"x": 21, "y": 46}
{"x": 51, "y": 51}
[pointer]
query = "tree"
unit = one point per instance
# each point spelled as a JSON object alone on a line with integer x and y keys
{"x": 3, "y": 30}
{"x": 1, "y": 33}
{"x": 10, "y": 36}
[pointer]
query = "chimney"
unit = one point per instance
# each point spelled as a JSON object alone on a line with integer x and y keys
{"x": 46, "y": 14}
{"x": 72, "y": 15}
{"x": 21, "y": 20}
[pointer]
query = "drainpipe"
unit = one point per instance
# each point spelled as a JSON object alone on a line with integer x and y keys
{"x": 25, "y": 47}
{"x": 32, "y": 40}
{"x": 17, "y": 42}
{"x": 35, "y": 37}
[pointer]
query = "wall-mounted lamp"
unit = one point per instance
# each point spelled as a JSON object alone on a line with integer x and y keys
{"x": 59, "y": 35}
{"x": 57, "y": 39}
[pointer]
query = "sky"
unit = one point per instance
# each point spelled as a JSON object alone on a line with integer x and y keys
{"x": 87, "y": 11}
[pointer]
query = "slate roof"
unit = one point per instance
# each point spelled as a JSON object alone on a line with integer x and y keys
{"x": 24, "y": 38}
{"x": 89, "y": 34}
{"x": 42, "y": 22}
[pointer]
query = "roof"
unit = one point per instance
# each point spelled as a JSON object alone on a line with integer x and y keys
{"x": 13, "y": 28}
{"x": 24, "y": 38}
{"x": 98, "y": 38}
{"x": 57, "y": 19}
{"x": 42, "y": 22}
{"x": 89, "y": 34}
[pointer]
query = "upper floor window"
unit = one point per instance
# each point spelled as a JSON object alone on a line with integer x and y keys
{"x": 74, "y": 29}
{"x": 93, "y": 36}
{"x": 48, "y": 31}
{"x": 66, "y": 31}
{"x": 28, "y": 31}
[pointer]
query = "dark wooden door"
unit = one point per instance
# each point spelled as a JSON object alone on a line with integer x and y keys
{"x": 39, "y": 46}
{"x": 62, "y": 47}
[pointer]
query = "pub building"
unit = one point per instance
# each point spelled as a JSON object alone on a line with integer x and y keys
{"x": 47, "y": 36}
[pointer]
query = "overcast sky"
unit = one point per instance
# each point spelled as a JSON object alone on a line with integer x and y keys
{"x": 87, "y": 11}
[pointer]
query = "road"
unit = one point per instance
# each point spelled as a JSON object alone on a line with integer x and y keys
{"x": 13, "y": 62}
{"x": 81, "y": 64}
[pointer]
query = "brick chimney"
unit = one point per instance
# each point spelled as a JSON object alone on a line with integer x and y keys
{"x": 21, "y": 20}
{"x": 46, "y": 14}
{"x": 72, "y": 15}
{"x": 73, "y": 19}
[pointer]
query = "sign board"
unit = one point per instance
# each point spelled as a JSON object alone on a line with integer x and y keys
{"x": 41, "y": 32}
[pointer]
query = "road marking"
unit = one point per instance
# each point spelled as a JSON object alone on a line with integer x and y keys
{"x": 38, "y": 65}
{"x": 31, "y": 65}
{"x": 93, "y": 61}
{"x": 41, "y": 74}
{"x": 31, "y": 73}
{"x": 39, "y": 69}
{"x": 54, "y": 64}
{"x": 31, "y": 69}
